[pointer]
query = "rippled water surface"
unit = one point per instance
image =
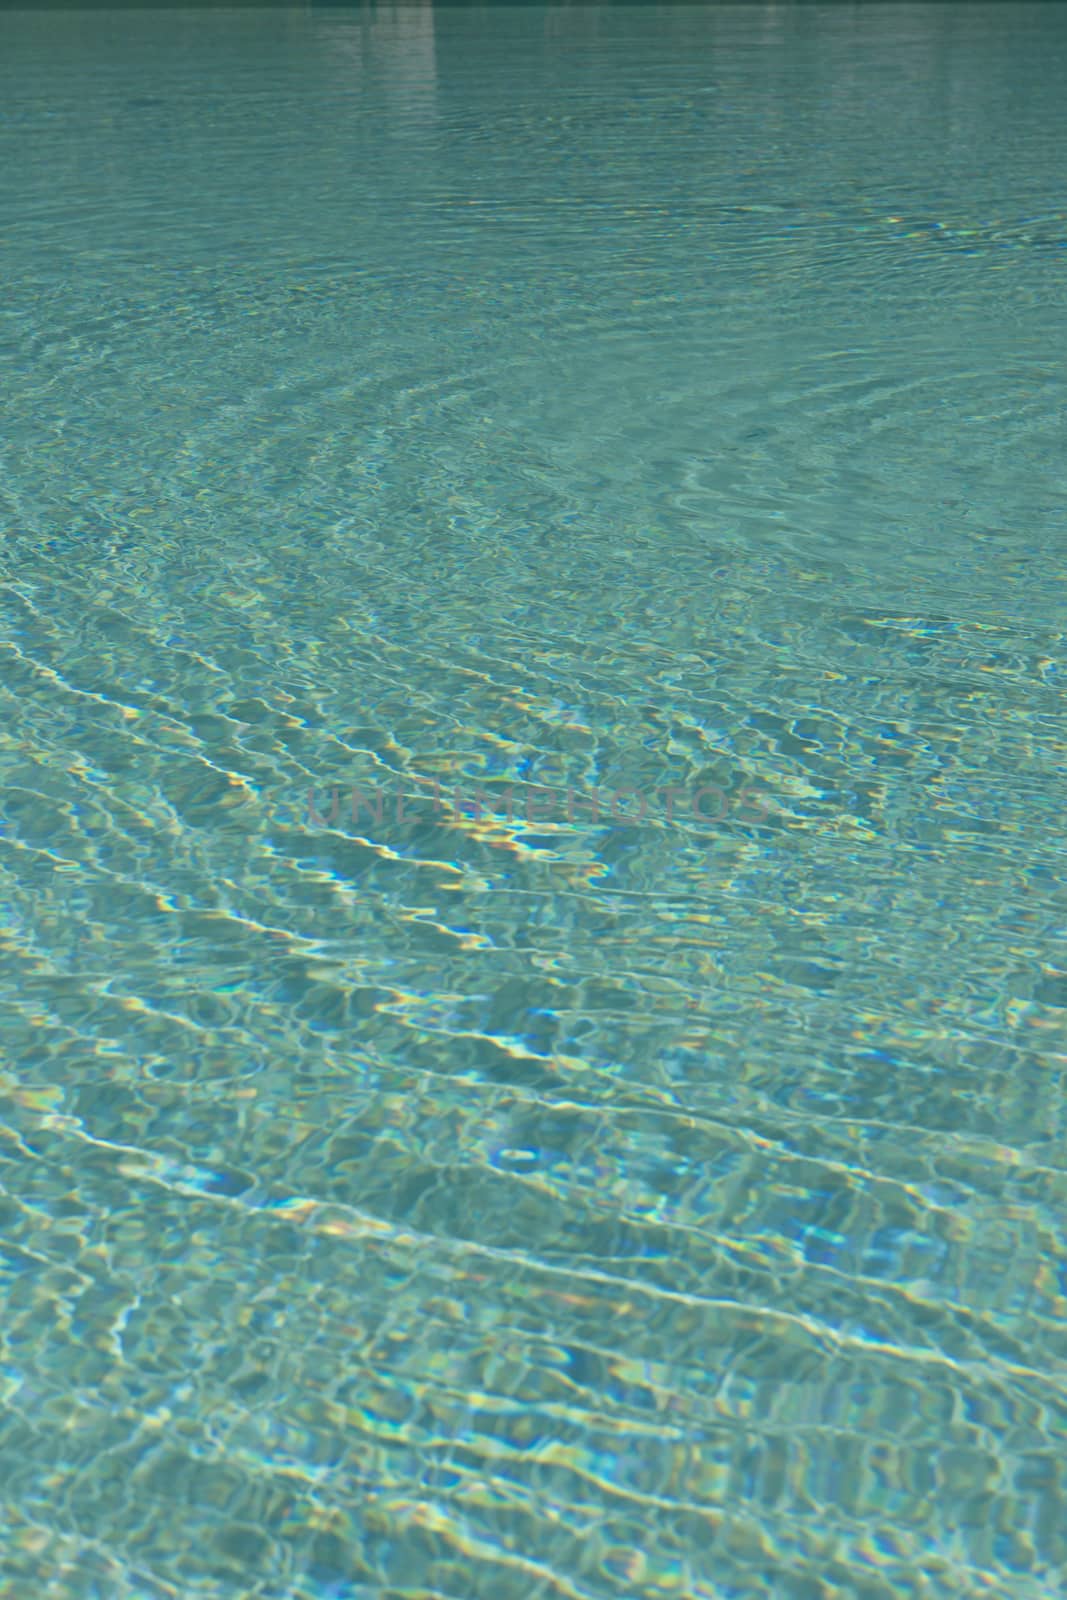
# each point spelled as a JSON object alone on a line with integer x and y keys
{"x": 531, "y": 851}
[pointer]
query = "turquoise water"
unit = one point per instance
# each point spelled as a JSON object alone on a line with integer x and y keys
{"x": 531, "y": 851}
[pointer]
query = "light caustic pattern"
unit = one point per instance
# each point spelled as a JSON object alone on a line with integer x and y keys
{"x": 447, "y": 1200}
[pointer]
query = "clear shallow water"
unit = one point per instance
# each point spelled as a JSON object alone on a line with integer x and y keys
{"x": 559, "y": 401}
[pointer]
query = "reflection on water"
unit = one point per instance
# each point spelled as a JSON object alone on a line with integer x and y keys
{"x": 389, "y": 47}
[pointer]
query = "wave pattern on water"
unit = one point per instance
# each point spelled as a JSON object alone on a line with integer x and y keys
{"x": 437, "y": 1201}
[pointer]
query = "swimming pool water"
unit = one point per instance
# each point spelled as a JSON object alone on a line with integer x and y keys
{"x": 531, "y": 846}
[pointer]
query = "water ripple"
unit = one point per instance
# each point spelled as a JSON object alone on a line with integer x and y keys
{"x": 420, "y": 1174}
